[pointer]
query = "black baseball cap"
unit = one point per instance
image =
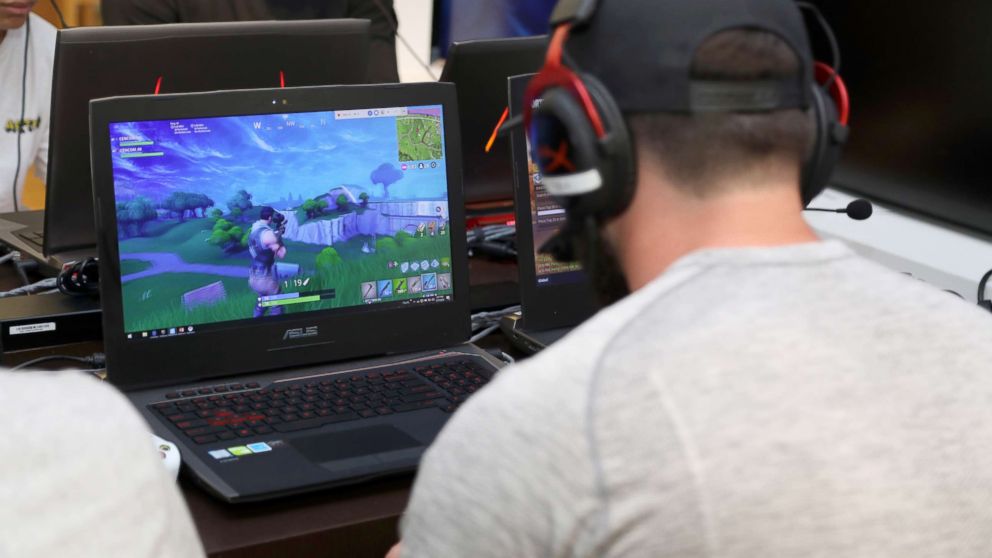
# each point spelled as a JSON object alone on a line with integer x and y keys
{"x": 643, "y": 50}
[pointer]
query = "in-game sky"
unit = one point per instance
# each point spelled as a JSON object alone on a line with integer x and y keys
{"x": 271, "y": 156}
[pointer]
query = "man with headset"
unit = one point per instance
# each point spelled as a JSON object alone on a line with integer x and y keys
{"x": 27, "y": 53}
{"x": 760, "y": 392}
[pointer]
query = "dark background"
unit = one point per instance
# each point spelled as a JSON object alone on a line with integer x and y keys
{"x": 920, "y": 77}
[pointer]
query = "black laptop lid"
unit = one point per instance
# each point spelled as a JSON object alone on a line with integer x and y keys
{"x": 96, "y": 62}
{"x": 552, "y": 294}
{"x": 479, "y": 70}
{"x": 366, "y": 182}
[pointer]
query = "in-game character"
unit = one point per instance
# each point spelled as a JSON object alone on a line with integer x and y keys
{"x": 265, "y": 246}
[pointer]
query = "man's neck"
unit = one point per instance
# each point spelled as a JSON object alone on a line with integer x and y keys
{"x": 665, "y": 224}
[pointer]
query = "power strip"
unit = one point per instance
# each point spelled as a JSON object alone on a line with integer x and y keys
{"x": 34, "y": 321}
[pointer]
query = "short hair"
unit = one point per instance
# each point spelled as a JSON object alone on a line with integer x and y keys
{"x": 267, "y": 213}
{"x": 698, "y": 150}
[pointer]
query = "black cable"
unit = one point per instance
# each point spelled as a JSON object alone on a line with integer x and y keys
{"x": 58, "y": 12}
{"x": 24, "y": 100}
{"x": 396, "y": 31}
{"x": 981, "y": 286}
{"x": 96, "y": 360}
{"x": 831, "y": 38}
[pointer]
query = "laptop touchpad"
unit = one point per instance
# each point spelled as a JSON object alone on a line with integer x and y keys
{"x": 336, "y": 446}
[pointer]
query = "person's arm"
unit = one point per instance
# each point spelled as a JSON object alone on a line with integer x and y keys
{"x": 272, "y": 242}
{"x": 139, "y": 12}
{"x": 382, "y": 52}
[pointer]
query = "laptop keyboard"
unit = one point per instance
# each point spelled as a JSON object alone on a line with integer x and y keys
{"x": 233, "y": 411}
{"x": 34, "y": 237}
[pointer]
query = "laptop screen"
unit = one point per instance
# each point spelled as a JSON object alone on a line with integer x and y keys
{"x": 224, "y": 221}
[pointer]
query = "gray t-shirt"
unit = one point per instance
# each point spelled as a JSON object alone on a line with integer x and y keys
{"x": 772, "y": 402}
{"x": 80, "y": 475}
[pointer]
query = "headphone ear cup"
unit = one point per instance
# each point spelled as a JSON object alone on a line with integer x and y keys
{"x": 564, "y": 146}
{"x": 829, "y": 138}
{"x": 591, "y": 176}
{"x": 617, "y": 161}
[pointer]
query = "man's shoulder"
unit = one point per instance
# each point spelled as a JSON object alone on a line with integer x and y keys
{"x": 556, "y": 383}
{"x": 878, "y": 292}
{"x": 848, "y": 301}
{"x": 573, "y": 358}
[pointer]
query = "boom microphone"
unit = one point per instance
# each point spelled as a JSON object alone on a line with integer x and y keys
{"x": 859, "y": 210}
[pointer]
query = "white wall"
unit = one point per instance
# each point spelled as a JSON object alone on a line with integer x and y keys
{"x": 415, "y": 18}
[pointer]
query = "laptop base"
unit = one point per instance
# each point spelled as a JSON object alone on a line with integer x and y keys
{"x": 240, "y": 443}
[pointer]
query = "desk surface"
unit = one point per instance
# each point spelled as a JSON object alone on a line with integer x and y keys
{"x": 352, "y": 522}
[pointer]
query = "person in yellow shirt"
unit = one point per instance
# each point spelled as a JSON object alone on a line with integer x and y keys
{"x": 27, "y": 54}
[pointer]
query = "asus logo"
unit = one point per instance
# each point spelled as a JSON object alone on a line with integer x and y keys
{"x": 301, "y": 333}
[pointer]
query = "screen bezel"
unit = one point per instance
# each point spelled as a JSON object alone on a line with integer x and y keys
{"x": 550, "y": 306}
{"x": 135, "y": 364}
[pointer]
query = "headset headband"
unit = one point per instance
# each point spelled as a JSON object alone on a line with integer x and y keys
{"x": 575, "y": 12}
{"x": 582, "y": 119}
{"x": 556, "y": 74}
{"x": 659, "y": 52}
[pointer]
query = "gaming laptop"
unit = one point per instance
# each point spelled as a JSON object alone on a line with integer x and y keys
{"x": 95, "y": 62}
{"x": 284, "y": 278}
{"x": 479, "y": 69}
{"x": 554, "y": 296}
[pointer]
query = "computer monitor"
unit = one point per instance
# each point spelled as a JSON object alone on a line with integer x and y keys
{"x": 96, "y": 62}
{"x": 479, "y": 70}
{"x": 921, "y": 120}
{"x": 281, "y": 220}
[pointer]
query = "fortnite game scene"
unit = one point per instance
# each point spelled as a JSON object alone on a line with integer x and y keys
{"x": 242, "y": 218}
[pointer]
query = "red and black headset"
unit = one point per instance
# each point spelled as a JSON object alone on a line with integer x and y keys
{"x": 580, "y": 140}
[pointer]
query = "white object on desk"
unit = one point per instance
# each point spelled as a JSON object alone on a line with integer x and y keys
{"x": 170, "y": 455}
